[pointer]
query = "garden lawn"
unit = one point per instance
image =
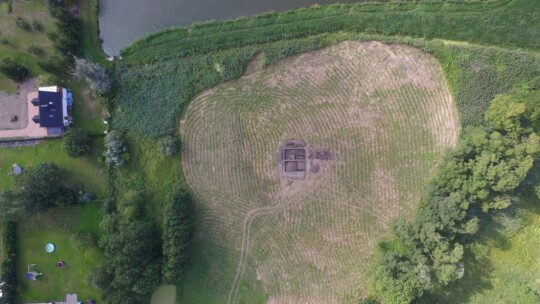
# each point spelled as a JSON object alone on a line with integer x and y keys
{"x": 87, "y": 109}
{"x": 56, "y": 225}
{"x": 54, "y": 283}
{"x": 85, "y": 171}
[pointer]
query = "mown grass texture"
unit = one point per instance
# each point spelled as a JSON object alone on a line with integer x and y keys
{"x": 261, "y": 237}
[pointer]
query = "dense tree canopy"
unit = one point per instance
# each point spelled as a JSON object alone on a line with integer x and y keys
{"x": 133, "y": 264}
{"x": 476, "y": 179}
{"x": 37, "y": 188}
{"x": 178, "y": 231}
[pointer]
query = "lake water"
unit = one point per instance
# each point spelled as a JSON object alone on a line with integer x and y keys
{"x": 123, "y": 21}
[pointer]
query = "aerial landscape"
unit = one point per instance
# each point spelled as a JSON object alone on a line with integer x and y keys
{"x": 176, "y": 151}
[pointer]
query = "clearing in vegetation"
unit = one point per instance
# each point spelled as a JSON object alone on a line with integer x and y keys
{"x": 386, "y": 116}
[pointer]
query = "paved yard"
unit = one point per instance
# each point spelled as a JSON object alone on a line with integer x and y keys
{"x": 15, "y": 104}
{"x": 20, "y": 105}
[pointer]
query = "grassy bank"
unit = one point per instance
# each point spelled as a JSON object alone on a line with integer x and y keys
{"x": 503, "y": 23}
{"x": 89, "y": 14}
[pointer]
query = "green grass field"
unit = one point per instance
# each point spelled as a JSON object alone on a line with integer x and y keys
{"x": 56, "y": 226}
{"x": 386, "y": 115}
{"x": 18, "y": 40}
{"x": 84, "y": 171}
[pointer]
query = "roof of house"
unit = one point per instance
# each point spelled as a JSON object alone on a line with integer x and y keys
{"x": 50, "y": 109}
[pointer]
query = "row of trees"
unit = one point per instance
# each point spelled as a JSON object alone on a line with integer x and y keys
{"x": 138, "y": 261}
{"x": 476, "y": 179}
{"x": 9, "y": 264}
{"x": 178, "y": 226}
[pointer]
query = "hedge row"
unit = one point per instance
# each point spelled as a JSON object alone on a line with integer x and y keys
{"x": 9, "y": 265}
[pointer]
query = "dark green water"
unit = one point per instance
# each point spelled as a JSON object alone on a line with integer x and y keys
{"x": 123, "y": 21}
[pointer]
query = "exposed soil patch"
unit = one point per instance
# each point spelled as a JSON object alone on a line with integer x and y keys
{"x": 255, "y": 64}
{"x": 15, "y": 105}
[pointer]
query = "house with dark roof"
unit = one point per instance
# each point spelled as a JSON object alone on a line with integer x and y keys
{"x": 55, "y": 104}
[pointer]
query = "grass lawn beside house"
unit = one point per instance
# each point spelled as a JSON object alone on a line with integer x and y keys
{"x": 85, "y": 171}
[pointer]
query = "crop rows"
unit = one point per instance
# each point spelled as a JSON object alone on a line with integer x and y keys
{"x": 385, "y": 114}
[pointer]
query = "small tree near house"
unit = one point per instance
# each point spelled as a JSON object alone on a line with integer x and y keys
{"x": 94, "y": 74}
{"x": 76, "y": 143}
{"x": 116, "y": 148}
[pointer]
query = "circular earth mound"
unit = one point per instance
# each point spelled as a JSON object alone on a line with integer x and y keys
{"x": 386, "y": 115}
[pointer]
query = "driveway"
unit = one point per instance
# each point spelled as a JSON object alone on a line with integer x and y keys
{"x": 27, "y": 128}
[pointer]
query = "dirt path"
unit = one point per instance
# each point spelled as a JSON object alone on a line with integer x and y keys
{"x": 244, "y": 249}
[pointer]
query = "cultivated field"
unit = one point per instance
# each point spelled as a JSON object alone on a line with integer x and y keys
{"x": 386, "y": 116}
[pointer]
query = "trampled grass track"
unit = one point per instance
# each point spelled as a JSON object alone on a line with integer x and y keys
{"x": 386, "y": 115}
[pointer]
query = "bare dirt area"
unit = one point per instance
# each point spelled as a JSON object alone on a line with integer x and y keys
{"x": 375, "y": 120}
{"x": 12, "y": 105}
{"x": 20, "y": 105}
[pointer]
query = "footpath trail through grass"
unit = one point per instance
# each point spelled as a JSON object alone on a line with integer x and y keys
{"x": 386, "y": 115}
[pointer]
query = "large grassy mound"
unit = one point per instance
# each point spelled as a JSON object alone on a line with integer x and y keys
{"x": 386, "y": 116}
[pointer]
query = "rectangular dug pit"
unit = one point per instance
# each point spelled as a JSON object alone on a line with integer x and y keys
{"x": 294, "y": 159}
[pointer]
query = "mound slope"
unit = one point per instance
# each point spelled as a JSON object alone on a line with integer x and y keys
{"x": 386, "y": 116}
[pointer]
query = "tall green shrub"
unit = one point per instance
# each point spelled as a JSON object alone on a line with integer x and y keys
{"x": 9, "y": 264}
{"x": 13, "y": 70}
{"x": 178, "y": 232}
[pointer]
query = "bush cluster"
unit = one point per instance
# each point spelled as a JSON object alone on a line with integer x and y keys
{"x": 13, "y": 69}
{"x": 477, "y": 179}
{"x": 168, "y": 145}
{"x": 69, "y": 32}
{"x": 35, "y": 50}
{"x": 9, "y": 264}
{"x": 76, "y": 142}
{"x": 96, "y": 75}
{"x": 132, "y": 246}
{"x": 115, "y": 149}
